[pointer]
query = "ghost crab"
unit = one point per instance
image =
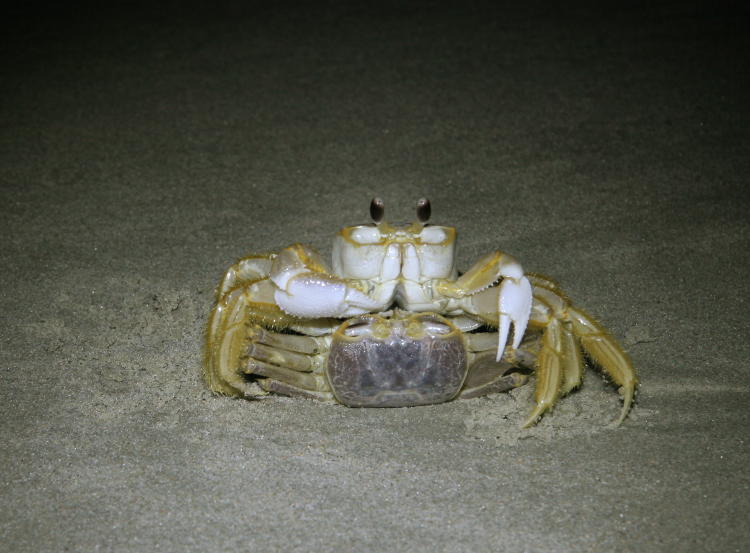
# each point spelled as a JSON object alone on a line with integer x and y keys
{"x": 394, "y": 324}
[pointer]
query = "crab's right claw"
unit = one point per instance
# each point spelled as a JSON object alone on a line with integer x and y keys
{"x": 514, "y": 306}
{"x": 304, "y": 287}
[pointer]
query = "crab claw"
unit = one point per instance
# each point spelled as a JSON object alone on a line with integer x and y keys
{"x": 514, "y": 306}
{"x": 305, "y": 288}
{"x": 316, "y": 295}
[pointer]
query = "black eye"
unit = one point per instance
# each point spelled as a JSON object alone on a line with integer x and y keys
{"x": 377, "y": 209}
{"x": 423, "y": 210}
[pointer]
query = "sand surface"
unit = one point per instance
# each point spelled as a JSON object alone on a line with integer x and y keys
{"x": 143, "y": 150}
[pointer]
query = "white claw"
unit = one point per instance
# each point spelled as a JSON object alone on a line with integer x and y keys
{"x": 317, "y": 295}
{"x": 514, "y": 306}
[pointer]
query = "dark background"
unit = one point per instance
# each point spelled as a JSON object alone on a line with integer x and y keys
{"x": 145, "y": 147}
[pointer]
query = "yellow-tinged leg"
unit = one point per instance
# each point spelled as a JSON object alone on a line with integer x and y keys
{"x": 225, "y": 339}
{"x": 607, "y": 353}
{"x": 572, "y": 360}
{"x": 227, "y": 333}
{"x": 565, "y": 327}
{"x": 288, "y": 364}
{"x": 247, "y": 269}
{"x": 551, "y": 302}
{"x": 549, "y": 371}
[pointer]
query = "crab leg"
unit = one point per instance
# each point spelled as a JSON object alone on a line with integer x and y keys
{"x": 290, "y": 365}
{"x": 295, "y": 378}
{"x": 286, "y": 389}
{"x": 250, "y": 268}
{"x": 227, "y": 332}
{"x": 270, "y": 354}
{"x": 486, "y": 375}
{"x": 512, "y": 297}
{"x": 549, "y": 372}
{"x": 290, "y": 342}
{"x": 240, "y": 292}
{"x": 565, "y": 326}
{"x": 600, "y": 345}
{"x": 225, "y": 340}
{"x": 572, "y": 360}
{"x": 524, "y": 356}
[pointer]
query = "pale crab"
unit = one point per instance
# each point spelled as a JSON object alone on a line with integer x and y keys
{"x": 393, "y": 323}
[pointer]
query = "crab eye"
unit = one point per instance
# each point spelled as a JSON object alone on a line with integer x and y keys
{"x": 377, "y": 209}
{"x": 423, "y": 210}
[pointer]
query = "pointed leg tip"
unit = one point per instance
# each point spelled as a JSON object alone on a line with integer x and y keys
{"x": 626, "y": 406}
{"x": 536, "y": 414}
{"x": 628, "y": 394}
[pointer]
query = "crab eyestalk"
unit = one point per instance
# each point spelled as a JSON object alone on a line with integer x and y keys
{"x": 424, "y": 210}
{"x": 377, "y": 210}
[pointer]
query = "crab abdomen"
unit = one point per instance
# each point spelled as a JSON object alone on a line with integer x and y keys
{"x": 396, "y": 362}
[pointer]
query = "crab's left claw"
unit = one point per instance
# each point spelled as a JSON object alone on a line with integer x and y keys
{"x": 514, "y": 306}
{"x": 510, "y": 302}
